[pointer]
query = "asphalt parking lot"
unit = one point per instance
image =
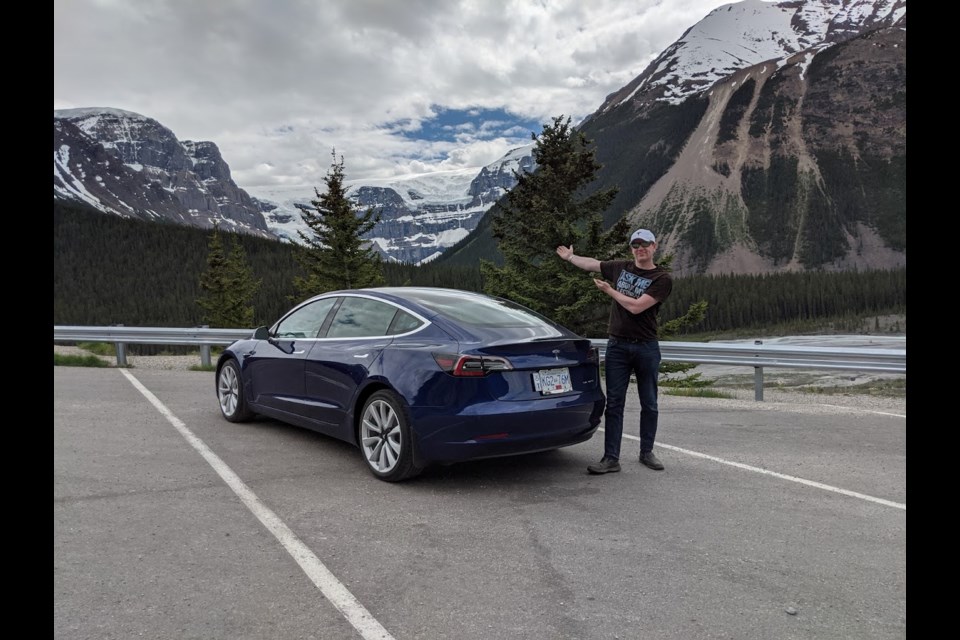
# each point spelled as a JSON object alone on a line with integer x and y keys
{"x": 771, "y": 520}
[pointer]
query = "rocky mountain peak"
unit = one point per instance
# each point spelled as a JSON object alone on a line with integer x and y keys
{"x": 127, "y": 164}
{"x": 743, "y": 34}
{"x": 794, "y": 158}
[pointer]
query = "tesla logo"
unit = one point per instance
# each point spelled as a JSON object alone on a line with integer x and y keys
{"x": 556, "y": 354}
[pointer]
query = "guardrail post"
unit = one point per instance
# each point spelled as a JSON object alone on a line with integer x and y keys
{"x": 758, "y": 384}
{"x": 205, "y": 350}
{"x": 121, "y": 352}
{"x": 758, "y": 379}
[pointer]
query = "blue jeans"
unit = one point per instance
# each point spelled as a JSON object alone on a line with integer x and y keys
{"x": 623, "y": 359}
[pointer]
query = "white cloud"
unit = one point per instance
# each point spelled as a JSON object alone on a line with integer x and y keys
{"x": 277, "y": 84}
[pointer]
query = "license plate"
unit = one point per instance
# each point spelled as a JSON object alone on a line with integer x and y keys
{"x": 550, "y": 381}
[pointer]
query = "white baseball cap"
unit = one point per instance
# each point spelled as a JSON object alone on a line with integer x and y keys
{"x": 643, "y": 234}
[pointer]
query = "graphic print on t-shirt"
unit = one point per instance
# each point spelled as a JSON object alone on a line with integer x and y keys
{"x": 631, "y": 284}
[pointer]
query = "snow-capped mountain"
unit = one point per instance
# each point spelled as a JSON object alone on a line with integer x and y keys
{"x": 742, "y": 34}
{"x": 421, "y": 215}
{"x": 127, "y": 164}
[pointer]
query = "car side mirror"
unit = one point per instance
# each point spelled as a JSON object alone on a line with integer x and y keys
{"x": 262, "y": 333}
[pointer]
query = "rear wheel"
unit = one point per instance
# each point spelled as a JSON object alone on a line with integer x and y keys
{"x": 385, "y": 438}
{"x": 233, "y": 402}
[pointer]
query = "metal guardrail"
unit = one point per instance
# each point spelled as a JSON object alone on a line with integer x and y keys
{"x": 756, "y": 355}
{"x": 759, "y": 355}
{"x": 121, "y": 336}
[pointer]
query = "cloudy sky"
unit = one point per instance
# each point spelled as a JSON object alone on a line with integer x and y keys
{"x": 395, "y": 86}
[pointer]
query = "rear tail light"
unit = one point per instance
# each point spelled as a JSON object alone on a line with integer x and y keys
{"x": 593, "y": 355}
{"x": 469, "y": 366}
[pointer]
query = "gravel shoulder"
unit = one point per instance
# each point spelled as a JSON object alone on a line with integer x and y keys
{"x": 182, "y": 363}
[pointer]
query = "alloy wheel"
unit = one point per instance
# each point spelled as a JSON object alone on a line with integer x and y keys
{"x": 381, "y": 436}
{"x": 228, "y": 390}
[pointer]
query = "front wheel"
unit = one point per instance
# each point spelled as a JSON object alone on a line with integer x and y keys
{"x": 385, "y": 438}
{"x": 233, "y": 402}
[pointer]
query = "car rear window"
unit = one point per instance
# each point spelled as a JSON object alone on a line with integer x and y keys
{"x": 403, "y": 322}
{"x": 479, "y": 311}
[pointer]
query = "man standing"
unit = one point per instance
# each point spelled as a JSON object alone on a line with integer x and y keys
{"x": 639, "y": 288}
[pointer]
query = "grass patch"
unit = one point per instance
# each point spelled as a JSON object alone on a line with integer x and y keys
{"x": 99, "y": 348}
{"x": 697, "y": 392}
{"x": 690, "y": 381}
{"x": 61, "y": 360}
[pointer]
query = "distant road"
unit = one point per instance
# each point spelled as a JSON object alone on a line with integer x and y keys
{"x": 852, "y": 340}
{"x": 792, "y": 377}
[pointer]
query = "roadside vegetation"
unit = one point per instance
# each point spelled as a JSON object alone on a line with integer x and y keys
{"x": 699, "y": 393}
{"x": 98, "y": 348}
{"x": 69, "y": 360}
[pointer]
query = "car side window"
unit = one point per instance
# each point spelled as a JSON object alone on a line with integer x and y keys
{"x": 361, "y": 317}
{"x": 306, "y": 321}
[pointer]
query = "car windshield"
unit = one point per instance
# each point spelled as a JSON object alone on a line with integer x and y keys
{"x": 478, "y": 311}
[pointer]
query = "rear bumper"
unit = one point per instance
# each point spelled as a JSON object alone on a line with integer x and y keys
{"x": 496, "y": 429}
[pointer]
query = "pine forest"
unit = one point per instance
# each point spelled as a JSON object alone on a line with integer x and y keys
{"x": 110, "y": 270}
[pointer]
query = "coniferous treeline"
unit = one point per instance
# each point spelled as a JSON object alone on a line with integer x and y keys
{"x": 110, "y": 270}
{"x": 744, "y": 301}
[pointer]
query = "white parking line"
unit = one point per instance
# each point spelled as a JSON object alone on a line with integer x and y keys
{"x": 782, "y": 476}
{"x": 332, "y": 589}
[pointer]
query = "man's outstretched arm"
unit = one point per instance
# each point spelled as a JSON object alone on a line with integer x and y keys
{"x": 582, "y": 262}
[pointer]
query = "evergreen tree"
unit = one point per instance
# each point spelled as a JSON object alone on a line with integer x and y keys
{"x": 548, "y": 208}
{"x": 335, "y": 255}
{"x": 227, "y": 286}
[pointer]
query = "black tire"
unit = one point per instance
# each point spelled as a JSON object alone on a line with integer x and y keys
{"x": 230, "y": 395}
{"x": 385, "y": 439}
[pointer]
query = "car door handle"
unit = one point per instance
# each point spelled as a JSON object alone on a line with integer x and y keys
{"x": 360, "y": 355}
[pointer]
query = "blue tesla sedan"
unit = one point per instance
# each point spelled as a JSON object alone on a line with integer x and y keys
{"x": 415, "y": 376}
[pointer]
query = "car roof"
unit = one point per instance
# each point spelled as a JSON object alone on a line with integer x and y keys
{"x": 405, "y": 293}
{"x": 457, "y": 320}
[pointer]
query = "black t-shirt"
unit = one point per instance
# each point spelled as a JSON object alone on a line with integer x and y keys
{"x": 630, "y": 280}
